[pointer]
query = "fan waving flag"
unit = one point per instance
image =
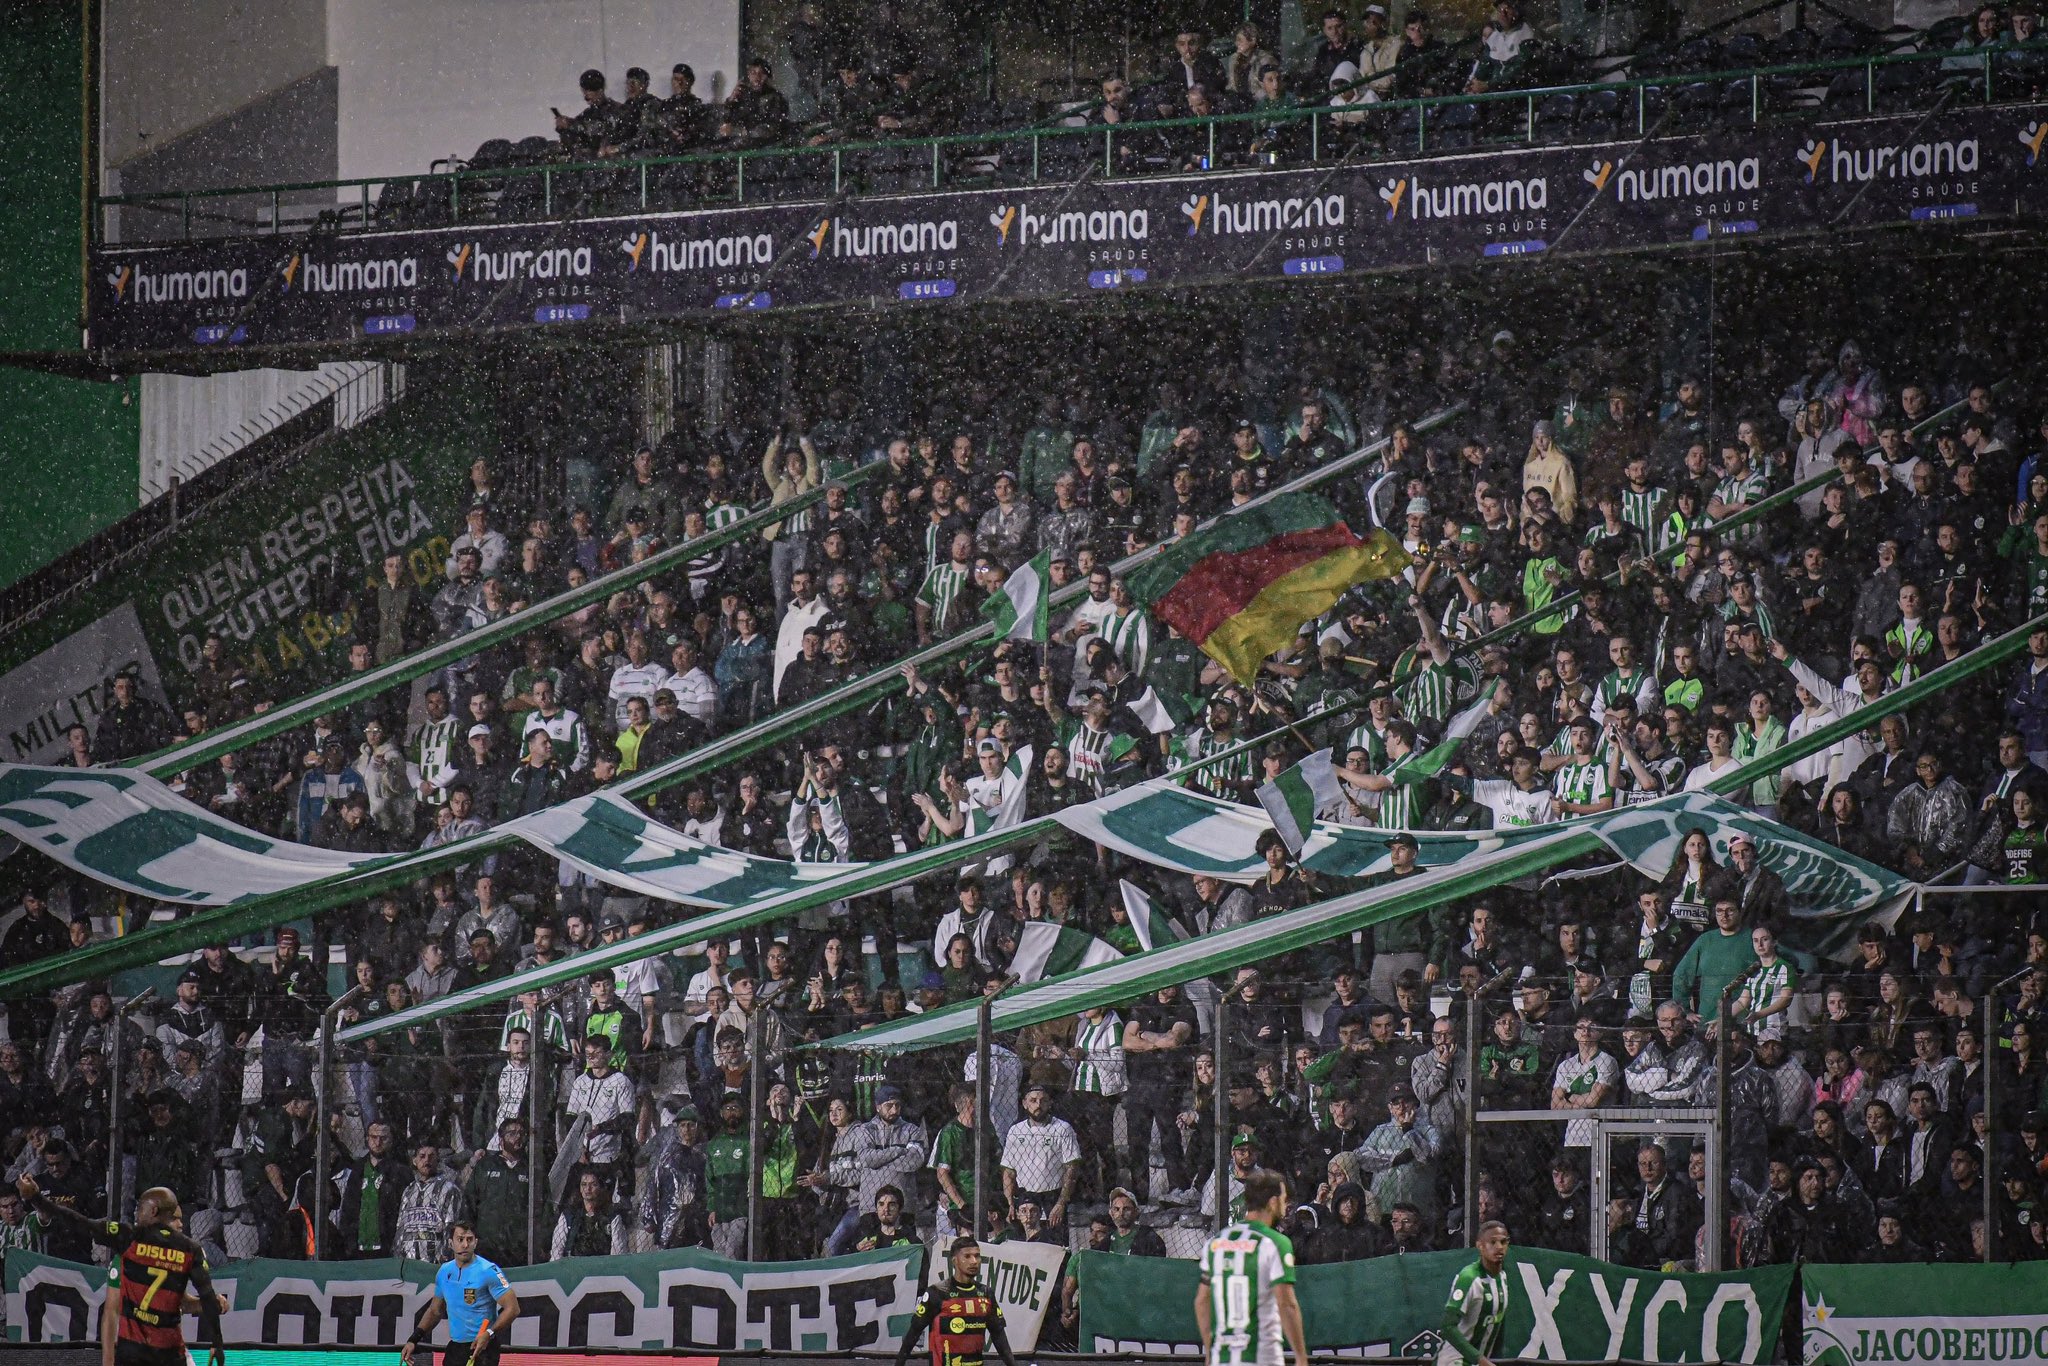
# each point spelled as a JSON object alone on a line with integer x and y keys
{"x": 1022, "y": 610}
{"x": 1462, "y": 725}
{"x": 1293, "y": 798}
{"x": 1242, "y": 587}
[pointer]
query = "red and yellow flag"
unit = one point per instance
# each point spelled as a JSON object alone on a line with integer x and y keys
{"x": 1242, "y": 588}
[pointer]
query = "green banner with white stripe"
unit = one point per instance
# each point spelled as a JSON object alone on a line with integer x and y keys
{"x": 1561, "y": 1307}
{"x": 1958, "y": 1315}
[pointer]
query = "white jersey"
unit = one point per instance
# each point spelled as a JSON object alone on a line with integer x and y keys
{"x": 1513, "y": 807}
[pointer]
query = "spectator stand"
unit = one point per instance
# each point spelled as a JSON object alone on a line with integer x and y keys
{"x": 1860, "y": 82}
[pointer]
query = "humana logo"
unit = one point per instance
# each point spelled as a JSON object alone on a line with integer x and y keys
{"x": 1689, "y": 182}
{"x": 478, "y": 263}
{"x": 885, "y": 239}
{"x": 309, "y": 276}
{"x": 1463, "y": 198}
{"x": 1053, "y": 229}
{"x": 1907, "y": 161}
{"x": 1261, "y": 215}
{"x": 2031, "y": 138}
{"x": 178, "y": 286}
{"x": 701, "y": 253}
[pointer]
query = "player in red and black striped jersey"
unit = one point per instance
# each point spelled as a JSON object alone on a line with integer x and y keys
{"x": 962, "y": 1314}
{"x": 158, "y": 1265}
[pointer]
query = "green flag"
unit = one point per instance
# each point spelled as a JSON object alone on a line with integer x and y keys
{"x": 1293, "y": 798}
{"x": 1022, "y": 609}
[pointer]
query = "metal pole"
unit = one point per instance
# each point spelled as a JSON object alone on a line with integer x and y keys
{"x": 984, "y": 1123}
{"x": 1219, "y": 1105}
{"x": 116, "y": 1174}
{"x": 1473, "y": 1006}
{"x": 323, "y": 1140}
{"x": 536, "y": 1114}
{"x": 983, "y": 1041}
{"x": 1985, "y": 1046}
{"x": 757, "y": 1073}
{"x": 1717, "y": 1244}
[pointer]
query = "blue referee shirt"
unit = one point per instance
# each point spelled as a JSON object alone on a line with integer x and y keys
{"x": 471, "y": 1294}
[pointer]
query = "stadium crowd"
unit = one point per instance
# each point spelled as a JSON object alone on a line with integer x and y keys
{"x": 885, "y": 75}
{"x": 1857, "y": 1130}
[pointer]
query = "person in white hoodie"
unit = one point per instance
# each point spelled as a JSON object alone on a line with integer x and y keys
{"x": 1864, "y": 685}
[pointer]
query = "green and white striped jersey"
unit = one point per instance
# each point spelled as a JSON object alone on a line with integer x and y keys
{"x": 1645, "y": 511}
{"x": 1432, "y": 693}
{"x": 1401, "y": 804}
{"x": 1473, "y": 1316}
{"x": 1581, "y": 781}
{"x": 1241, "y": 1265}
{"x": 941, "y": 587}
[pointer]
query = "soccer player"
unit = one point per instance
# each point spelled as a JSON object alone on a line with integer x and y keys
{"x": 1478, "y": 1305}
{"x": 157, "y": 1263}
{"x": 1246, "y": 1299}
{"x": 469, "y": 1287}
{"x": 962, "y": 1313}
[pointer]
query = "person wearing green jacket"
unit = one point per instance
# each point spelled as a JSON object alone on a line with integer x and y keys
{"x": 1720, "y": 956}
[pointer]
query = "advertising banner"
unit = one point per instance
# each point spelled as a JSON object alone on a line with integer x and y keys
{"x": 1950, "y": 1315}
{"x": 1036, "y": 241}
{"x": 1026, "y": 1279}
{"x": 1560, "y": 1307}
{"x": 685, "y": 1299}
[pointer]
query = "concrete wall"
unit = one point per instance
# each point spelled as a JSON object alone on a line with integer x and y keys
{"x": 425, "y": 81}
{"x": 171, "y": 66}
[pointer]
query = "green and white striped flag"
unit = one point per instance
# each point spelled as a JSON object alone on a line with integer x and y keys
{"x": 1022, "y": 610}
{"x": 1293, "y": 798}
{"x": 1152, "y": 926}
{"x": 1045, "y": 949}
{"x": 1462, "y": 725}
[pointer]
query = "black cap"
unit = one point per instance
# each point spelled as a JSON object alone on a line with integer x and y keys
{"x": 637, "y": 73}
{"x": 593, "y": 79}
{"x": 1402, "y": 837}
{"x": 1244, "y": 424}
{"x": 683, "y": 69}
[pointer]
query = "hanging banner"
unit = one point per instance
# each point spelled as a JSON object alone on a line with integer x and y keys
{"x": 1026, "y": 1279}
{"x": 1060, "y": 239}
{"x": 1965, "y": 1315}
{"x": 256, "y": 569}
{"x": 1560, "y": 1307}
{"x": 685, "y": 1299}
{"x": 71, "y": 683}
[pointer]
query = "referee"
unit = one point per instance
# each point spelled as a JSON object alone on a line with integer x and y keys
{"x": 466, "y": 1289}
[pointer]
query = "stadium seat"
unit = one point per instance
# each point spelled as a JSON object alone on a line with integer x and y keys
{"x": 1555, "y": 118}
{"x": 1848, "y": 94}
{"x": 1696, "y": 107}
{"x": 1742, "y": 52}
{"x": 1793, "y": 46}
{"x": 1457, "y": 126}
{"x": 1904, "y": 86}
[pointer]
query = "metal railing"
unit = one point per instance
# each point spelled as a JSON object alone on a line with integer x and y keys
{"x": 1540, "y": 115}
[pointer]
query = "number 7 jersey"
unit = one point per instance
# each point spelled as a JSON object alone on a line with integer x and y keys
{"x": 1241, "y": 1265}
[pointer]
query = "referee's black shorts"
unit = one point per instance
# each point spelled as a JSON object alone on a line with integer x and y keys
{"x": 465, "y": 1353}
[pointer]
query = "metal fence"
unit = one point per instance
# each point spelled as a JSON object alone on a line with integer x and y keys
{"x": 1319, "y": 133}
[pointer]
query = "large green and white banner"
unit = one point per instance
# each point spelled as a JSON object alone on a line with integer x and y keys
{"x": 1932, "y": 1315}
{"x": 1560, "y": 1308}
{"x": 686, "y": 1299}
{"x": 126, "y": 829}
{"x": 1835, "y": 888}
